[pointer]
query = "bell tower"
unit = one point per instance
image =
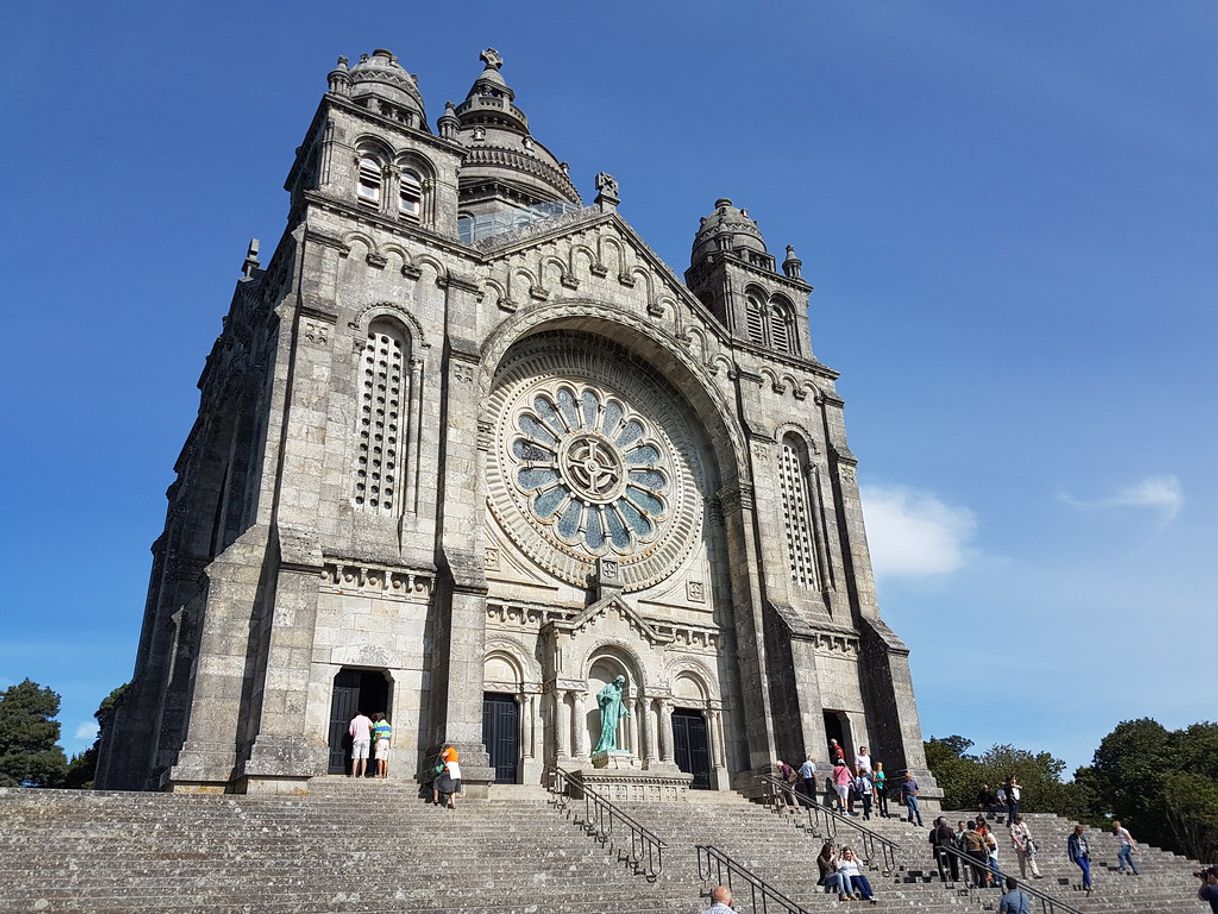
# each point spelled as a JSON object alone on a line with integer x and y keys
{"x": 733, "y": 273}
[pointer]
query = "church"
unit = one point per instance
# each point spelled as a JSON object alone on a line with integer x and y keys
{"x": 468, "y": 450}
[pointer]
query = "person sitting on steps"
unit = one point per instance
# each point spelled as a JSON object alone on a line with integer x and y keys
{"x": 848, "y": 866}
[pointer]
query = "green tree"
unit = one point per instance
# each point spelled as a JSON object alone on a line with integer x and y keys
{"x": 1160, "y": 783}
{"x": 29, "y": 754}
{"x": 958, "y": 774}
{"x": 83, "y": 767}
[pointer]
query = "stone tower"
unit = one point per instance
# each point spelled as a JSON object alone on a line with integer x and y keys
{"x": 467, "y": 451}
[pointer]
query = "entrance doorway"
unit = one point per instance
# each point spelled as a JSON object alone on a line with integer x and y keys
{"x": 354, "y": 691}
{"x": 501, "y": 734}
{"x": 835, "y": 729}
{"x": 691, "y": 747}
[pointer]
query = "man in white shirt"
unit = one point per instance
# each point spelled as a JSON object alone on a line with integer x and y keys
{"x": 1125, "y": 854}
{"x": 360, "y": 731}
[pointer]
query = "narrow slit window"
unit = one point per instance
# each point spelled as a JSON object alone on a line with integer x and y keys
{"x": 797, "y": 514}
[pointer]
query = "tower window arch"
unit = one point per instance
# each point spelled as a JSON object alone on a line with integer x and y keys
{"x": 410, "y": 195}
{"x": 380, "y": 435}
{"x": 795, "y": 482}
{"x": 371, "y": 177}
{"x": 755, "y": 320}
{"x": 782, "y": 327}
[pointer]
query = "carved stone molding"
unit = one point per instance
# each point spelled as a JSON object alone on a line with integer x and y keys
{"x": 338, "y": 576}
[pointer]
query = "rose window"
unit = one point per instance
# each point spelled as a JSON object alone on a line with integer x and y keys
{"x": 592, "y": 469}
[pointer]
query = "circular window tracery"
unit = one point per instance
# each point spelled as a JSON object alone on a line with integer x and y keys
{"x": 593, "y": 457}
{"x": 592, "y": 468}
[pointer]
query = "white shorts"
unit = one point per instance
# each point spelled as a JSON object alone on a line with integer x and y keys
{"x": 843, "y": 790}
{"x": 382, "y": 749}
{"x": 359, "y": 749}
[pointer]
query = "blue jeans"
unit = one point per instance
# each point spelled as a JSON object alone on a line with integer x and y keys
{"x": 997, "y": 872}
{"x": 1085, "y": 865}
{"x": 861, "y": 885}
{"x": 1125, "y": 857}
{"x": 836, "y": 882}
{"x": 915, "y": 814}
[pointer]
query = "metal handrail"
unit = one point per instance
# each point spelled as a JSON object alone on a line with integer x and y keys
{"x": 971, "y": 867}
{"x": 646, "y": 852}
{"x": 823, "y": 822}
{"x": 712, "y": 862}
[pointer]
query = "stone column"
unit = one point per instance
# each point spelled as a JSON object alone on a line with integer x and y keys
{"x": 562, "y": 725}
{"x": 636, "y": 730}
{"x": 530, "y": 740}
{"x": 666, "y": 751}
{"x": 581, "y": 729}
{"x": 647, "y": 731}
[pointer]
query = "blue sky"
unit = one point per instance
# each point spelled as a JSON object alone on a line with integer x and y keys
{"x": 1008, "y": 212}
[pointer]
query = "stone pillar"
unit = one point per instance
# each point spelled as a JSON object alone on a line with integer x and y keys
{"x": 666, "y": 751}
{"x": 457, "y": 677}
{"x": 718, "y": 759}
{"x": 562, "y": 725}
{"x": 740, "y": 523}
{"x": 647, "y": 726}
{"x": 581, "y": 728}
{"x": 636, "y": 730}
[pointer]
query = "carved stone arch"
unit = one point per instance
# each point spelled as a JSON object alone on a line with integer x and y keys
{"x": 799, "y": 430}
{"x": 493, "y": 292}
{"x": 369, "y": 313}
{"x": 572, "y": 260}
{"x": 648, "y": 280}
{"x": 370, "y": 144}
{"x": 609, "y": 241}
{"x": 699, "y": 673}
{"x": 530, "y": 283}
{"x": 613, "y": 648}
{"x": 389, "y": 249}
{"x": 691, "y": 379}
{"x": 416, "y": 162}
{"x": 514, "y": 655}
{"x": 772, "y": 376}
{"x": 426, "y": 260}
{"x": 552, "y": 260}
{"x": 720, "y": 362}
{"x": 788, "y": 381}
{"x": 351, "y": 238}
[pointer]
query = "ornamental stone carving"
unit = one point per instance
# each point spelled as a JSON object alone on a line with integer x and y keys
{"x": 592, "y": 459}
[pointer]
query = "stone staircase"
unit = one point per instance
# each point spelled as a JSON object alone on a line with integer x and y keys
{"x": 372, "y": 846}
{"x": 347, "y": 847}
{"x": 776, "y": 850}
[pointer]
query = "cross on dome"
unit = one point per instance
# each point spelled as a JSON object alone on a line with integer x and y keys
{"x": 491, "y": 58}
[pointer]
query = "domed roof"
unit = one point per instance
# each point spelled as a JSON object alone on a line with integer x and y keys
{"x": 380, "y": 74}
{"x": 496, "y": 133}
{"x": 727, "y": 227}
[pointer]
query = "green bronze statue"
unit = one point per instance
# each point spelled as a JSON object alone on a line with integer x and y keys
{"x": 612, "y": 710}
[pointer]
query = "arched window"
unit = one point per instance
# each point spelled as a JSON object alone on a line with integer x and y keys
{"x": 755, "y": 320}
{"x": 465, "y": 228}
{"x": 795, "y": 482}
{"x": 410, "y": 196}
{"x": 379, "y": 461}
{"x": 370, "y": 177}
{"x": 782, "y": 330}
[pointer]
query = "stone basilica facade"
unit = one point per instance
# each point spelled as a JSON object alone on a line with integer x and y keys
{"x": 467, "y": 450}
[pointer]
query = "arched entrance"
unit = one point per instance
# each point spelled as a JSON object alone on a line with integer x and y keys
{"x": 355, "y": 691}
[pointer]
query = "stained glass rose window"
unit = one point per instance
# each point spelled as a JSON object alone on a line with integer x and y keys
{"x": 592, "y": 469}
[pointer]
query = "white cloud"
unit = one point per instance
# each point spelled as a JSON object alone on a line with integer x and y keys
{"x": 915, "y": 533}
{"x": 1163, "y": 493}
{"x": 86, "y": 730}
